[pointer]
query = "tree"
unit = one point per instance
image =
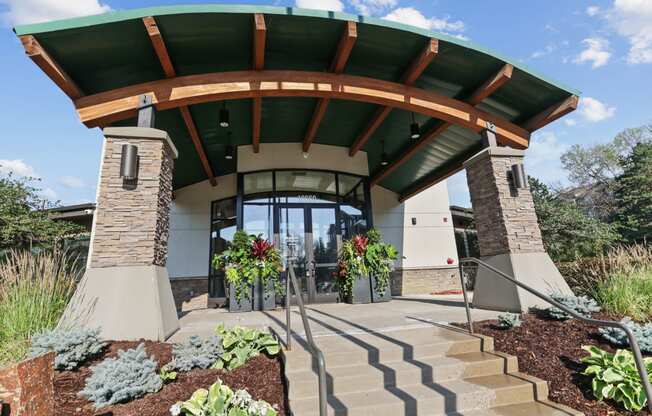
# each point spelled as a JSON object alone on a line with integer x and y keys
{"x": 633, "y": 194}
{"x": 23, "y": 219}
{"x": 568, "y": 232}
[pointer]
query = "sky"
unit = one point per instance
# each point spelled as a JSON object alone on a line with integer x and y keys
{"x": 601, "y": 47}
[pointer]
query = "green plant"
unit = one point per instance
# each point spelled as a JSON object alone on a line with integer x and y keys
{"x": 72, "y": 347}
{"x": 240, "y": 344}
{"x": 627, "y": 293}
{"x": 167, "y": 373}
{"x": 642, "y": 333}
{"x": 116, "y": 380}
{"x": 220, "y": 400}
{"x": 509, "y": 320}
{"x": 615, "y": 377}
{"x": 580, "y": 304}
{"x": 34, "y": 291}
{"x": 249, "y": 258}
{"x": 196, "y": 353}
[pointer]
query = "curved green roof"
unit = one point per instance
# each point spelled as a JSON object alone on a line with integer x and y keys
{"x": 113, "y": 50}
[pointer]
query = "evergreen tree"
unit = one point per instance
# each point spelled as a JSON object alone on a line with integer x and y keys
{"x": 633, "y": 194}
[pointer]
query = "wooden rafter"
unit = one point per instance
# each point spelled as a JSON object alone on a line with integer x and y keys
{"x": 258, "y": 53}
{"x": 35, "y": 51}
{"x": 196, "y": 89}
{"x": 482, "y": 92}
{"x": 344, "y": 48}
{"x": 552, "y": 113}
{"x": 166, "y": 63}
{"x": 410, "y": 76}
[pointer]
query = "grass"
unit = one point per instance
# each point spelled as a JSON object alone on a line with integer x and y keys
{"x": 34, "y": 291}
{"x": 627, "y": 293}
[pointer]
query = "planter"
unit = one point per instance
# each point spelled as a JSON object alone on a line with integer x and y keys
{"x": 245, "y": 303}
{"x": 264, "y": 297}
{"x": 376, "y": 296}
{"x": 360, "y": 291}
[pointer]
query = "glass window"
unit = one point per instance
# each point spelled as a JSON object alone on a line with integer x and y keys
{"x": 306, "y": 181}
{"x": 223, "y": 227}
{"x": 259, "y": 182}
{"x": 348, "y": 183}
{"x": 258, "y": 219}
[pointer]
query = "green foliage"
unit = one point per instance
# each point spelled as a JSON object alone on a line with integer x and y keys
{"x": 642, "y": 333}
{"x": 627, "y": 293}
{"x": 220, "y": 400}
{"x": 580, "y": 304}
{"x": 34, "y": 291}
{"x": 72, "y": 347}
{"x": 249, "y": 258}
{"x": 117, "y": 380}
{"x": 240, "y": 344}
{"x": 196, "y": 353}
{"x": 615, "y": 377}
{"x": 167, "y": 373}
{"x": 509, "y": 320}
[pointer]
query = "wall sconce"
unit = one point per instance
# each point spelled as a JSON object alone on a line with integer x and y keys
{"x": 129, "y": 162}
{"x": 519, "y": 177}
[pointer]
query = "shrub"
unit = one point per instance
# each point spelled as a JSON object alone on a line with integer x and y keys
{"x": 220, "y": 400}
{"x": 509, "y": 320}
{"x": 615, "y": 377}
{"x": 642, "y": 333}
{"x": 627, "y": 294}
{"x": 72, "y": 347}
{"x": 121, "y": 379}
{"x": 34, "y": 291}
{"x": 240, "y": 344}
{"x": 196, "y": 353}
{"x": 580, "y": 304}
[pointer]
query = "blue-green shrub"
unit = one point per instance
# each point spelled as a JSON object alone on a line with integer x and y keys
{"x": 509, "y": 320}
{"x": 642, "y": 333}
{"x": 116, "y": 380}
{"x": 72, "y": 347}
{"x": 581, "y": 304}
{"x": 196, "y": 353}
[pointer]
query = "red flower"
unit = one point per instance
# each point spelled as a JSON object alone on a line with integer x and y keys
{"x": 360, "y": 243}
{"x": 260, "y": 248}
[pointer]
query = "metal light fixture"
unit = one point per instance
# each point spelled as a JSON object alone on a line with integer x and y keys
{"x": 384, "y": 160}
{"x": 415, "y": 129}
{"x": 228, "y": 153}
{"x": 129, "y": 162}
{"x": 519, "y": 177}
{"x": 224, "y": 116}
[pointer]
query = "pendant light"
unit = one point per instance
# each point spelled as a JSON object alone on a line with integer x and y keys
{"x": 384, "y": 160}
{"x": 224, "y": 116}
{"x": 228, "y": 152}
{"x": 415, "y": 130}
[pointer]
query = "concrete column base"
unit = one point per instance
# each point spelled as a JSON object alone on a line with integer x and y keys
{"x": 127, "y": 303}
{"x": 534, "y": 269}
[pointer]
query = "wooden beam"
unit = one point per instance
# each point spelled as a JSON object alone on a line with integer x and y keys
{"x": 552, "y": 113}
{"x": 166, "y": 63}
{"x": 219, "y": 86}
{"x": 410, "y": 76}
{"x": 482, "y": 92}
{"x": 258, "y": 53}
{"x": 342, "y": 54}
{"x": 35, "y": 51}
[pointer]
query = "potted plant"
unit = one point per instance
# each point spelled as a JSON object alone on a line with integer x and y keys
{"x": 365, "y": 265}
{"x": 251, "y": 267}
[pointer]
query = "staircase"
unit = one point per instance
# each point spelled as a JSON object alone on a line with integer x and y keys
{"x": 425, "y": 370}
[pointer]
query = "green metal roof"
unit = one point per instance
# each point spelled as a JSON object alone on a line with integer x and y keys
{"x": 113, "y": 50}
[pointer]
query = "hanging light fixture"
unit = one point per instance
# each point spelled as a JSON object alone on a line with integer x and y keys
{"x": 384, "y": 160}
{"x": 228, "y": 152}
{"x": 224, "y": 116}
{"x": 415, "y": 130}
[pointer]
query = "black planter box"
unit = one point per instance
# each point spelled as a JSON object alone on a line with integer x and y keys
{"x": 264, "y": 297}
{"x": 376, "y": 296}
{"x": 361, "y": 291}
{"x": 244, "y": 305}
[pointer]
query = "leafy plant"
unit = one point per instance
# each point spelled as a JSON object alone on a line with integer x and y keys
{"x": 129, "y": 376}
{"x": 615, "y": 377}
{"x": 627, "y": 293}
{"x": 642, "y": 333}
{"x": 196, "y": 353}
{"x": 581, "y": 304}
{"x": 72, "y": 347}
{"x": 509, "y": 320}
{"x": 240, "y": 344}
{"x": 220, "y": 400}
{"x": 167, "y": 373}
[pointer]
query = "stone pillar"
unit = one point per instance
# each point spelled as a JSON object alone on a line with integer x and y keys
{"x": 126, "y": 290}
{"x": 508, "y": 234}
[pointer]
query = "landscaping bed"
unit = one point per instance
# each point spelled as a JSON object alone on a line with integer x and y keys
{"x": 261, "y": 376}
{"x": 551, "y": 350}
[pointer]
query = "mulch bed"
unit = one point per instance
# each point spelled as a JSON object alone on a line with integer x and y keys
{"x": 551, "y": 350}
{"x": 262, "y": 377}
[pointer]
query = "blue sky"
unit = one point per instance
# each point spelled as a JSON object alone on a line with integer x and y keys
{"x": 603, "y": 48}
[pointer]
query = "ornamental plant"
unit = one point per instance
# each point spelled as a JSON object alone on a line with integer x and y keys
{"x": 615, "y": 377}
{"x": 195, "y": 353}
{"x": 240, "y": 344}
{"x": 363, "y": 256}
{"x": 642, "y": 333}
{"x": 72, "y": 347}
{"x": 583, "y": 305}
{"x": 509, "y": 320}
{"x": 248, "y": 258}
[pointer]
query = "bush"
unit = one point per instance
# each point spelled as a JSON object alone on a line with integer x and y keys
{"x": 615, "y": 377}
{"x": 580, "y": 304}
{"x": 196, "y": 353}
{"x": 240, "y": 344}
{"x": 642, "y": 333}
{"x": 34, "y": 291}
{"x": 627, "y": 294}
{"x": 71, "y": 347}
{"x": 220, "y": 400}
{"x": 121, "y": 379}
{"x": 509, "y": 320}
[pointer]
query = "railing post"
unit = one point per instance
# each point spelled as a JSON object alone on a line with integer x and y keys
{"x": 288, "y": 315}
{"x": 466, "y": 299}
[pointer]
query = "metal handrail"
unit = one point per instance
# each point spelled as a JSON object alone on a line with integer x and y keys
{"x": 638, "y": 357}
{"x": 314, "y": 350}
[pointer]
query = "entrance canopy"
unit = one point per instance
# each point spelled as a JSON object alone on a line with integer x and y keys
{"x": 294, "y": 75}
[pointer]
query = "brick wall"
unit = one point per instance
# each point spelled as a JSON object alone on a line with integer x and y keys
{"x": 190, "y": 293}
{"x": 424, "y": 281}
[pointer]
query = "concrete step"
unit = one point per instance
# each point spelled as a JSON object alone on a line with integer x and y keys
{"x": 539, "y": 408}
{"x": 449, "y": 397}
{"x": 365, "y": 377}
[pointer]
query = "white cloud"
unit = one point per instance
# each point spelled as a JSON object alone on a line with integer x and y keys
{"x": 543, "y": 157}
{"x": 412, "y": 16}
{"x": 592, "y": 10}
{"x": 72, "y": 182}
{"x": 458, "y": 190}
{"x": 596, "y": 52}
{"x": 17, "y": 167}
{"x": 550, "y": 48}
{"x": 570, "y": 121}
{"x": 49, "y": 193}
{"x": 372, "y": 7}
{"x": 35, "y": 11}
{"x": 633, "y": 20}
{"x": 594, "y": 110}
{"x": 331, "y": 5}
